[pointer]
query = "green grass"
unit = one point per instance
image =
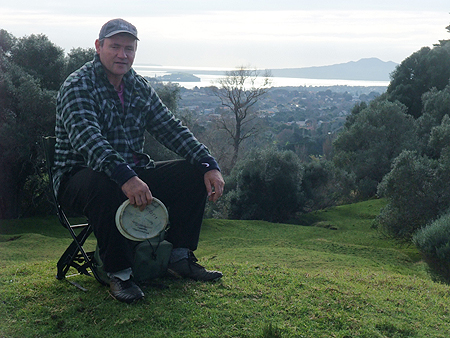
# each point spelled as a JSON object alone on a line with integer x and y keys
{"x": 335, "y": 277}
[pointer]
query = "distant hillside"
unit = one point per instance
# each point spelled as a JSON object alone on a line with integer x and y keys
{"x": 371, "y": 69}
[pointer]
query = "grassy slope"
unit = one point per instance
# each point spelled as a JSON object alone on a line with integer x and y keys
{"x": 333, "y": 278}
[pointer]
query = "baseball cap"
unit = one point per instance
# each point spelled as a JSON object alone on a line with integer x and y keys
{"x": 116, "y": 26}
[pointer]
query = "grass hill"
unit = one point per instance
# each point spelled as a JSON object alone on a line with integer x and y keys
{"x": 333, "y": 276}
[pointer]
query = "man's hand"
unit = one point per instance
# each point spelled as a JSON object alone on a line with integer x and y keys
{"x": 214, "y": 184}
{"x": 137, "y": 192}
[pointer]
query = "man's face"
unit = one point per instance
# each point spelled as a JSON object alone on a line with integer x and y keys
{"x": 117, "y": 53}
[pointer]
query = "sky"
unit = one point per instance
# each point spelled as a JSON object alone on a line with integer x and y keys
{"x": 231, "y": 33}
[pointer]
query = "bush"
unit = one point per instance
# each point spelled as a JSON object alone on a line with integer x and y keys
{"x": 417, "y": 190}
{"x": 414, "y": 190}
{"x": 266, "y": 185}
{"x": 325, "y": 186}
{"x": 433, "y": 241}
{"x": 375, "y": 137}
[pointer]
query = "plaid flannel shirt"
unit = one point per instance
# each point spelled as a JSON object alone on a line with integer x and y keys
{"x": 94, "y": 130}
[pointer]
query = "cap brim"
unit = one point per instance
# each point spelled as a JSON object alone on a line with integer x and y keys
{"x": 121, "y": 31}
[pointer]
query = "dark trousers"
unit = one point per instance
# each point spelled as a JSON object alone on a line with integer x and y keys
{"x": 178, "y": 184}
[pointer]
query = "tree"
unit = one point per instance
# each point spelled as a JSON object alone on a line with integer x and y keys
{"x": 170, "y": 95}
{"x": 78, "y": 57}
{"x": 354, "y": 113}
{"x": 7, "y": 40}
{"x": 417, "y": 187}
{"x": 417, "y": 192}
{"x": 42, "y": 59}
{"x": 324, "y": 185}
{"x": 436, "y": 105}
{"x": 440, "y": 138}
{"x": 239, "y": 91}
{"x": 367, "y": 148}
{"x": 266, "y": 185}
{"x": 417, "y": 74}
{"x": 26, "y": 113}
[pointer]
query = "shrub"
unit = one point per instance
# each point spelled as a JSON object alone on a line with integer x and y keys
{"x": 266, "y": 185}
{"x": 414, "y": 194}
{"x": 375, "y": 137}
{"x": 433, "y": 241}
{"x": 417, "y": 190}
{"x": 324, "y": 185}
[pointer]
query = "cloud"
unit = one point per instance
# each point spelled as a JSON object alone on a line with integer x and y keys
{"x": 292, "y": 25}
{"x": 294, "y": 33}
{"x": 267, "y": 35}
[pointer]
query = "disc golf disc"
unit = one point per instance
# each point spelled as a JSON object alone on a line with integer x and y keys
{"x": 138, "y": 225}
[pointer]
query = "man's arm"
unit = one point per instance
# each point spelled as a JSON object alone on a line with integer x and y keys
{"x": 79, "y": 129}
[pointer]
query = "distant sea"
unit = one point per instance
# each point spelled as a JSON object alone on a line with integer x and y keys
{"x": 209, "y": 75}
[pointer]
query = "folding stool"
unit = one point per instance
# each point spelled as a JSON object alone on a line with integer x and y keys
{"x": 74, "y": 256}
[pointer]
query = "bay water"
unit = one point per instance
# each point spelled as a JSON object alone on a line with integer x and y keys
{"x": 209, "y": 76}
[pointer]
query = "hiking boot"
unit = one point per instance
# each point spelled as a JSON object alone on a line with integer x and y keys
{"x": 125, "y": 291}
{"x": 189, "y": 268}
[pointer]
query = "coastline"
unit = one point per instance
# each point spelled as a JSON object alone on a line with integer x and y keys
{"x": 209, "y": 77}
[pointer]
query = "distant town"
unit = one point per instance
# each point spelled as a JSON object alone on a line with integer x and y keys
{"x": 309, "y": 108}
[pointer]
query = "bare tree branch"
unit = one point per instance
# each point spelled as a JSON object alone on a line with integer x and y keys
{"x": 239, "y": 91}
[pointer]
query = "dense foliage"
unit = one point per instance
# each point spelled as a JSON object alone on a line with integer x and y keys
{"x": 417, "y": 192}
{"x": 434, "y": 243}
{"x": 266, "y": 185}
{"x": 27, "y": 112}
{"x": 324, "y": 185}
{"x": 417, "y": 74}
{"x": 31, "y": 70}
{"x": 367, "y": 147}
{"x": 398, "y": 146}
{"x": 417, "y": 187}
{"x": 40, "y": 58}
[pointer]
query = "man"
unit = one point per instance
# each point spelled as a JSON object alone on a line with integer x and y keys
{"x": 103, "y": 109}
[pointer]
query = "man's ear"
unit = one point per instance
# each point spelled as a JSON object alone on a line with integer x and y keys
{"x": 97, "y": 46}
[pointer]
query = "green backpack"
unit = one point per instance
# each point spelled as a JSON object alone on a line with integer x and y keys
{"x": 151, "y": 258}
